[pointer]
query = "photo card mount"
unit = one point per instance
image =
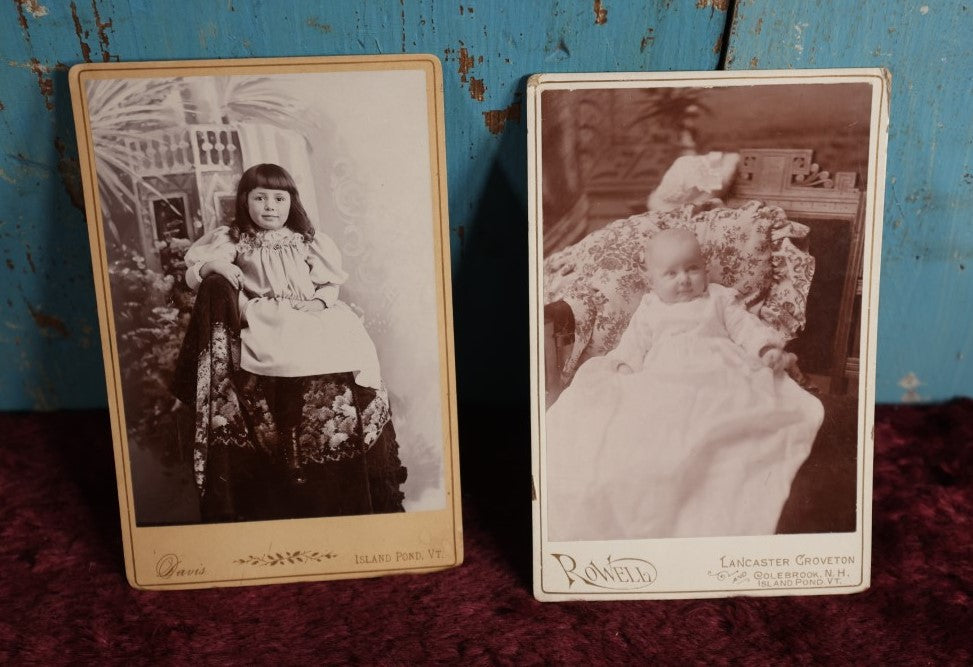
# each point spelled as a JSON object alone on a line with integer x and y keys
{"x": 270, "y": 247}
{"x": 704, "y": 266}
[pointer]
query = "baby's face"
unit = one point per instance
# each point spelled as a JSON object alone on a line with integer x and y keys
{"x": 677, "y": 269}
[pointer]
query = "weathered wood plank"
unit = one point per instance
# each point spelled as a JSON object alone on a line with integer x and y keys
{"x": 926, "y": 294}
{"x": 48, "y": 328}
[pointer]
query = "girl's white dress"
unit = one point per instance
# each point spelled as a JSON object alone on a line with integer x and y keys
{"x": 276, "y": 339}
{"x": 701, "y": 439}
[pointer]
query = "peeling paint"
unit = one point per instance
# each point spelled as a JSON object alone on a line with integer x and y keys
{"x": 647, "y": 39}
{"x": 402, "y": 19}
{"x": 719, "y": 5}
{"x": 466, "y": 63}
{"x": 78, "y": 30}
{"x": 911, "y": 384}
{"x": 70, "y": 172}
{"x": 22, "y": 20}
{"x": 601, "y": 13}
{"x": 318, "y": 25}
{"x": 477, "y": 88}
{"x": 799, "y": 41}
{"x": 45, "y": 83}
{"x": 753, "y": 62}
{"x": 36, "y": 9}
{"x": 497, "y": 119}
{"x": 56, "y": 67}
{"x": 102, "y": 31}
{"x": 759, "y": 26}
{"x": 48, "y": 324}
{"x": 4, "y": 176}
{"x": 718, "y": 46}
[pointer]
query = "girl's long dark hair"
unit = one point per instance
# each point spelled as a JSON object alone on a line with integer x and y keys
{"x": 272, "y": 177}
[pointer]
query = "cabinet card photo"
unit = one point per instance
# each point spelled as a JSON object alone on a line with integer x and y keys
{"x": 704, "y": 253}
{"x": 270, "y": 248}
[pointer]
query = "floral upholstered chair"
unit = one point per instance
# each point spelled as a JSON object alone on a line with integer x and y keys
{"x": 593, "y": 287}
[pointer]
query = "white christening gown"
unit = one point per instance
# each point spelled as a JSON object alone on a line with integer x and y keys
{"x": 701, "y": 439}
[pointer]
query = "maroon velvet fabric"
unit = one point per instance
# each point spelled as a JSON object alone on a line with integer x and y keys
{"x": 63, "y": 594}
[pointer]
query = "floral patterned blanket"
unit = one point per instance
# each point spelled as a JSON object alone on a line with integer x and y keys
{"x": 253, "y": 432}
{"x": 754, "y": 249}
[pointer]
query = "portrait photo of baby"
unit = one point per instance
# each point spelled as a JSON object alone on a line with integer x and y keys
{"x": 699, "y": 285}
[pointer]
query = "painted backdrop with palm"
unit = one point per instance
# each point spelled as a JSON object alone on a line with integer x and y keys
{"x": 169, "y": 153}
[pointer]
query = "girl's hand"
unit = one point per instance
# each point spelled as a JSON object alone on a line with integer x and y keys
{"x": 228, "y": 270}
{"x": 309, "y": 306}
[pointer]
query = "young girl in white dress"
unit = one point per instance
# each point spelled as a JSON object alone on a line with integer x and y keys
{"x": 690, "y": 427}
{"x": 288, "y": 275}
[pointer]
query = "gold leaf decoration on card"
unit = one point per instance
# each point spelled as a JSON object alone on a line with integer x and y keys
{"x": 298, "y": 557}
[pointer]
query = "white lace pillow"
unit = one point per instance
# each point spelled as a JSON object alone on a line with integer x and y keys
{"x": 694, "y": 179}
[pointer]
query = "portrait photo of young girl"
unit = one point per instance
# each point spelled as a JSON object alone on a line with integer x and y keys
{"x": 272, "y": 265}
{"x": 273, "y": 280}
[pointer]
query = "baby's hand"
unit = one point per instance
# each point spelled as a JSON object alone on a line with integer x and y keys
{"x": 228, "y": 270}
{"x": 309, "y": 306}
{"x": 777, "y": 360}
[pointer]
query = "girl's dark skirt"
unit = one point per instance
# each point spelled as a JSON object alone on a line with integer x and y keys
{"x": 276, "y": 448}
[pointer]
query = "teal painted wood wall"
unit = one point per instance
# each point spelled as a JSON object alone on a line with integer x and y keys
{"x": 926, "y": 294}
{"x": 49, "y": 348}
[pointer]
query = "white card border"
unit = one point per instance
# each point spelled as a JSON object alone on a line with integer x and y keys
{"x": 786, "y": 546}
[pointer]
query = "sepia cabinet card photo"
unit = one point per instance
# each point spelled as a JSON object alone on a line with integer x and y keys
{"x": 704, "y": 266}
{"x": 270, "y": 247}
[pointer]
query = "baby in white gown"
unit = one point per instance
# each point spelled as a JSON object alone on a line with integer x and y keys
{"x": 689, "y": 428}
